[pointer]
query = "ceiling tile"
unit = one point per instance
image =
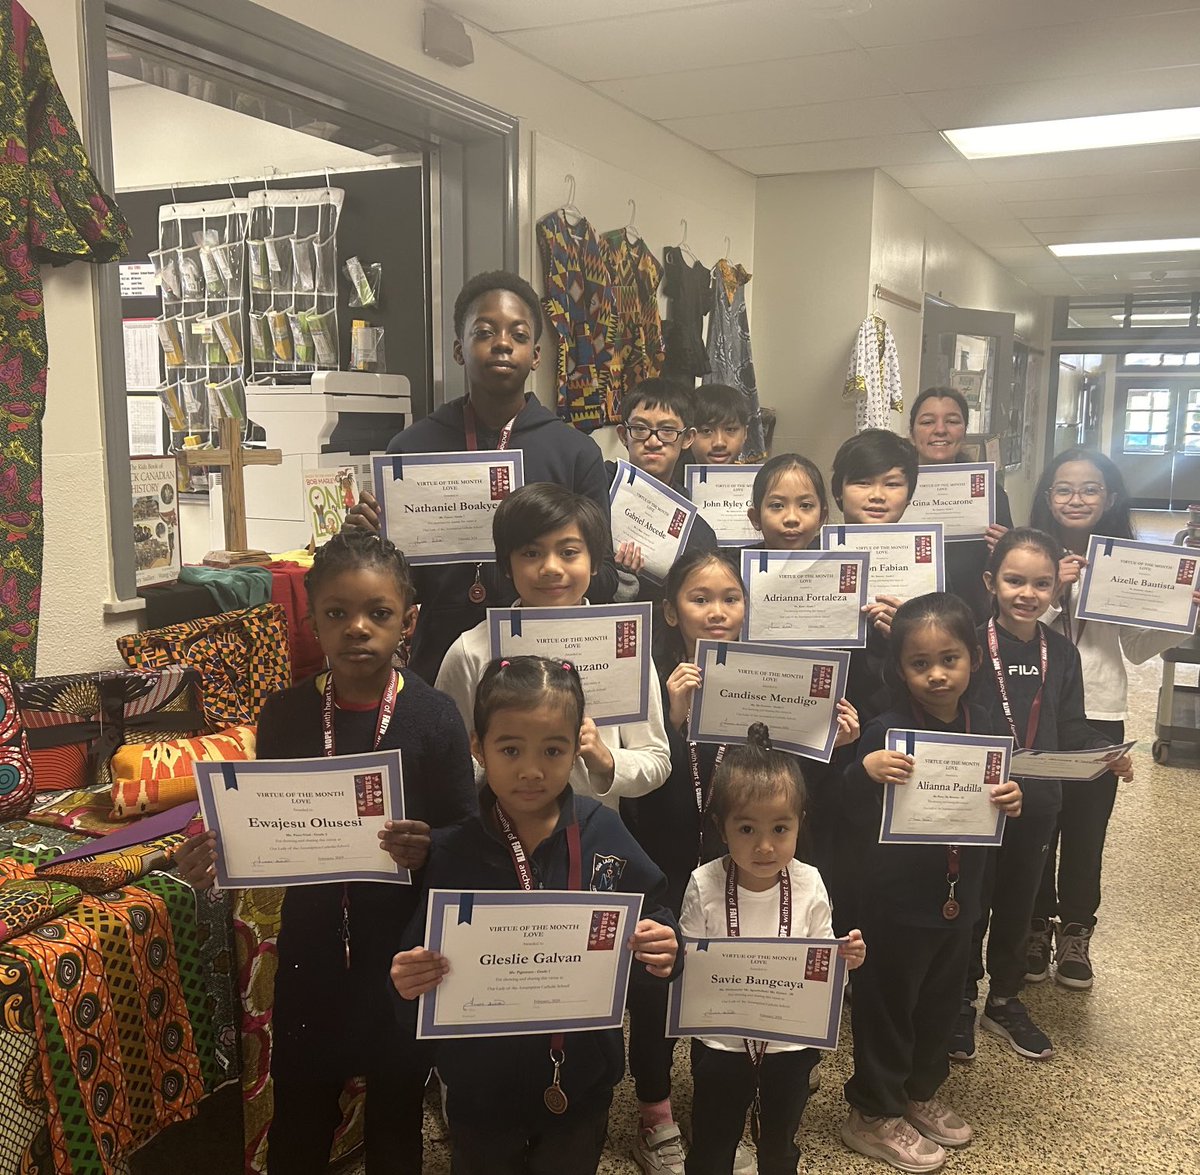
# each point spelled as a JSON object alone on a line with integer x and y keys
{"x": 1141, "y": 224}
{"x": 1022, "y": 255}
{"x": 1004, "y": 233}
{"x": 830, "y": 77}
{"x": 706, "y": 37}
{"x": 961, "y": 202}
{"x": 933, "y": 175}
{"x": 1083, "y": 203}
{"x": 1153, "y": 157}
{"x": 838, "y": 154}
{"x": 499, "y": 16}
{"x": 800, "y": 124}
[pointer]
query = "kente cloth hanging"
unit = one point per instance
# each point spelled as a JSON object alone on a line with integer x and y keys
{"x": 729, "y": 353}
{"x": 51, "y": 211}
{"x": 637, "y": 274}
{"x": 581, "y": 303}
{"x": 689, "y": 299}
{"x": 873, "y": 377}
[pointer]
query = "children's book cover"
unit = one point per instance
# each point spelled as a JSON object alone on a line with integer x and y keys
{"x": 328, "y": 494}
{"x": 155, "y": 520}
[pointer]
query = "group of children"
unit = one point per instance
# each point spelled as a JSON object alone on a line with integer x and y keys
{"x": 509, "y": 784}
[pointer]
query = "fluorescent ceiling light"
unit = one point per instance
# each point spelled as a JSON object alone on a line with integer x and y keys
{"x": 1077, "y": 134}
{"x": 1166, "y": 316}
{"x": 1104, "y": 248}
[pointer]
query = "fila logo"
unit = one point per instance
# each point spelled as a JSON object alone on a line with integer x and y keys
{"x": 1024, "y": 671}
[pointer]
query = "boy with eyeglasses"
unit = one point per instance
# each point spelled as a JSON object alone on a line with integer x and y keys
{"x": 655, "y": 431}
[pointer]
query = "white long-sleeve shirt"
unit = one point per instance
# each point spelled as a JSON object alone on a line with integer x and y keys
{"x": 641, "y": 756}
{"x": 703, "y": 916}
{"x": 1103, "y": 651}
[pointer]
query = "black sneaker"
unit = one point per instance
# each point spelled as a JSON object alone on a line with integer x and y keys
{"x": 1011, "y": 1021}
{"x": 962, "y": 1043}
{"x": 1073, "y": 965}
{"x": 1037, "y": 950}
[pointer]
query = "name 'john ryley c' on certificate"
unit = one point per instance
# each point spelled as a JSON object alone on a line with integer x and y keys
{"x": 438, "y": 507}
{"x": 723, "y": 494}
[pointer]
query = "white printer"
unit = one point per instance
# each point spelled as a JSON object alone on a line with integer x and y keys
{"x": 341, "y": 418}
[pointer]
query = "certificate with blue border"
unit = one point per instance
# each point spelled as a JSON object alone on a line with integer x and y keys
{"x": 947, "y": 799}
{"x": 962, "y": 497}
{"x": 651, "y": 514}
{"x": 723, "y": 494}
{"x": 438, "y": 507}
{"x": 525, "y": 962}
{"x": 907, "y": 558}
{"x": 1081, "y": 765}
{"x": 1149, "y": 585}
{"x": 794, "y": 691}
{"x": 609, "y": 645}
{"x": 806, "y": 599}
{"x": 302, "y": 821}
{"x": 781, "y": 990}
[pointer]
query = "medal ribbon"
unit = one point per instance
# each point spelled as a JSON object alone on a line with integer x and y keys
{"x": 1035, "y": 710}
{"x": 698, "y": 787}
{"x": 387, "y": 707}
{"x": 477, "y": 593}
{"x": 558, "y": 1053}
{"x": 756, "y": 1049}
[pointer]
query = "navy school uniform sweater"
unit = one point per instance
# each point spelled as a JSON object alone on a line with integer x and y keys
{"x": 966, "y": 560}
{"x": 503, "y": 1078}
{"x": 1061, "y": 726}
{"x": 554, "y": 452}
{"x": 331, "y": 1022}
{"x": 906, "y": 884}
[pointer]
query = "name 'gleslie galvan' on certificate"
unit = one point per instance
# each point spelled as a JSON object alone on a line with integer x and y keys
{"x": 1145, "y": 584}
{"x": 528, "y": 961}
{"x": 438, "y": 507}
{"x": 782, "y": 990}
{"x": 609, "y": 645}
{"x": 794, "y": 691}
{"x": 947, "y": 799}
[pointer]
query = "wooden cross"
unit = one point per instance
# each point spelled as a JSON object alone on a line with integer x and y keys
{"x": 231, "y": 459}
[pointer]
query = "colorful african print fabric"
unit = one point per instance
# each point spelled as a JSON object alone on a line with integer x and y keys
{"x": 729, "y": 352}
{"x": 873, "y": 377}
{"x": 17, "y": 788}
{"x": 51, "y": 211}
{"x": 581, "y": 304}
{"x": 636, "y": 277}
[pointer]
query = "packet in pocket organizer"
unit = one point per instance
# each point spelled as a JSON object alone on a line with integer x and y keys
{"x": 191, "y": 273}
{"x": 302, "y": 342}
{"x": 365, "y": 280}
{"x": 325, "y": 255}
{"x": 172, "y": 403}
{"x": 260, "y": 339}
{"x": 279, "y": 263}
{"x": 195, "y": 404}
{"x": 192, "y": 329}
{"x": 166, "y": 272}
{"x": 214, "y": 281}
{"x": 228, "y": 328}
{"x": 260, "y": 272}
{"x": 366, "y": 347}
{"x": 323, "y": 328}
{"x": 170, "y": 337}
{"x": 304, "y": 267}
{"x": 281, "y": 335}
{"x": 228, "y": 398}
{"x": 228, "y": 260}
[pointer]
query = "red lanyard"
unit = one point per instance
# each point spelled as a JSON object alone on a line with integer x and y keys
{"x": 469, "y": 429}
{"x": 1035, "y": 710}
{"x": 701, "y": 802}
{"x": 387, "y": 707}
{"x": 553, "y": 1096}
{"x": 950, "y": 908}
{"x": 756, "y": 1049}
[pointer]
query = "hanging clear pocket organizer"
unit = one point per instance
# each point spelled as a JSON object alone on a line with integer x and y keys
{"x": 325, "y": 257}
{"x": 260, "y": 270}
{"x": 191, "y": 274}
{"x": 279, "y": 263}
{"x": 170, "y": 337}
{"x": 166, "y": 272}
{"x": 304, "y": 264}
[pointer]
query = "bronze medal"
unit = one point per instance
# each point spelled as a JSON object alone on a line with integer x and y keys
{"x": 950, "y": 909}
{"x": 477, "y": 593}
{"x": 555, "y": 1099}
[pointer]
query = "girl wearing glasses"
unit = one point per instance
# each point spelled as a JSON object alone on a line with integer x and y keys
{"x": 1082, "y": 493}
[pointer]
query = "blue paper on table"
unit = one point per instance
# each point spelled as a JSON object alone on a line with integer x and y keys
{"x": 138, "y": 833}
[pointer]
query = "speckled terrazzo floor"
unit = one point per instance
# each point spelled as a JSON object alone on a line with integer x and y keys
{"x": 1123, "y": 1092}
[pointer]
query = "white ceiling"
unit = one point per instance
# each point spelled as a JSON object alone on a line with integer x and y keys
{"x": 774, "y": 89}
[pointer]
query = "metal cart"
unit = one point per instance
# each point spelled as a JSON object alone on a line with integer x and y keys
{"x": 1178, "y": 705}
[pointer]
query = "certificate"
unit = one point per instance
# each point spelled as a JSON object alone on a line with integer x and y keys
{"x": 1079, "y": 765}
{"x": 794, "y": 691}
{"x": 1147, "y": 584}
{"x": 907, "y": 559}
{"x": 656, "y": 517}
{"x": 807, "y": 599}
{"x": 723, "y": 495}
{"x": 947, "y": 800}
{"x": 438, "y": 507}
{"x": 528, "y": 961}
{"x": 609, "y": 645}
{"x": 302, "y": 821}
{"x": 961, "y": 497}
{"x": 786, "y": 990}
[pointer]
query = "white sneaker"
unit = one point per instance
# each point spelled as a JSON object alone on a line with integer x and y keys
{"x": 658, "y": 1150}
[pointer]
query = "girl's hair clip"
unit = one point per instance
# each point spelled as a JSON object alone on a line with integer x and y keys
{"x": 505, "y": 664}
{"x": 568, "y": 666}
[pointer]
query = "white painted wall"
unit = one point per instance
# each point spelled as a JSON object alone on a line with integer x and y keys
{"x": 74, "y": 632}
